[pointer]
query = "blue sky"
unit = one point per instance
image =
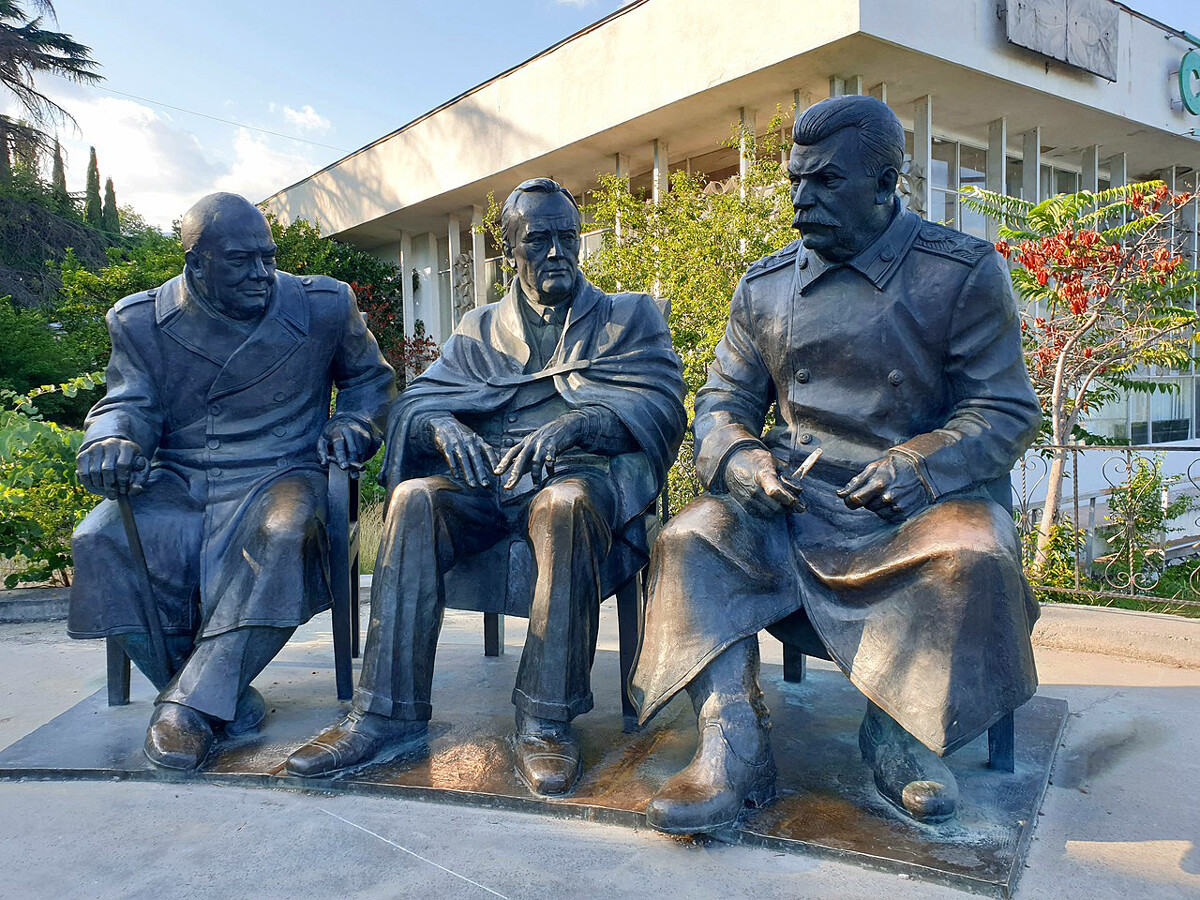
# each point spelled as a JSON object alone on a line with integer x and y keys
{"x": 335, "y": 75}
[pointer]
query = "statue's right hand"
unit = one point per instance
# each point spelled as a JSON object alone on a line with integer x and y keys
{"x": 112, "y": 466}
{"x": 469, "y": 456}
{"x": 752, "y": 480}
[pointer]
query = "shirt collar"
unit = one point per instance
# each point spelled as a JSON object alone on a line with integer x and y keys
{"x": 876, "y": 262}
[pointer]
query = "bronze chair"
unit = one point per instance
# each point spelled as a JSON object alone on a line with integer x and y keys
{"x": 342, "y": 529}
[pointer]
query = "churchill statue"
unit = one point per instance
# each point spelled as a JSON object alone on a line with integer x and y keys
{"x": 216, "y": 429}
{"x": 553, "y": 414}
{"x": 892, "y": 346}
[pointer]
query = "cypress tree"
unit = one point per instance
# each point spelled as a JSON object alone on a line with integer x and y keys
{"x": 92, "y": 210}
{"x": 58, "y": 179}
{"x": 109, "y": 220}
{"x": 5, "y": 165}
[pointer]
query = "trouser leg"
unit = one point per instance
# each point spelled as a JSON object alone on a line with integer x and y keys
{"x": 138, "y": 648}
{"x": 221, "y": 667}
{"x": 569, "y": 534}
{"x": 727, "y": 691}
{"x": 430, "y": 521}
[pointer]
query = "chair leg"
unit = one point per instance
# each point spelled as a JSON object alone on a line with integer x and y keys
{"x": 493, "y": 634}
{"x": 627, "y": 630}
{"x": 794, "y": 664}
{"x": 118, "y": 673}
{"x": 342, "y": 627}
{"x": 1002, "y": 745}
{"x": 355, "y": 609}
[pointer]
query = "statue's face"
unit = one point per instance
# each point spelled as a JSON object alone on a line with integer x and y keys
{"x": 542, "y": 244}
{"x": 840, "y": 206}
{"x": 235, "y": 267}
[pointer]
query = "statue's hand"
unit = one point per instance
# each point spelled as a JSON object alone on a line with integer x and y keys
{"x": 469, "y": 456}
{"x": 538, "y": 450}
{"x": 112, "y": 466}
{"x": 345, "y": 442}
{"x": 888, "y": 487}
{"x": 752, "y": 480}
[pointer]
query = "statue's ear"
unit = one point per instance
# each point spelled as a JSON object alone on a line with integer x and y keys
{"x": 191, "y": 259}
{"x": 885, "y": 184}
{"x": 509, "y": 257}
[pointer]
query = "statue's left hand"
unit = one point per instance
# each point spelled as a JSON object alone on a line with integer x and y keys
{"x": 888, "y": 487}
{"x": 345, "y": 442}
{"x": 539, "y": 449}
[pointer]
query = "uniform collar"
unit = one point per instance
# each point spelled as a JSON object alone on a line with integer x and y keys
{"x": 877, "y": 262}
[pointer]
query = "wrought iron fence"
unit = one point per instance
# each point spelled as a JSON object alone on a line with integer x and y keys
{"x": 1128, "y": 525}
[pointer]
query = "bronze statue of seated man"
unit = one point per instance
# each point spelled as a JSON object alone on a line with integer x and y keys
{"x": 554, "y": 414}
{"x": 893, "y": 346}
{"x": 216, "y": 427}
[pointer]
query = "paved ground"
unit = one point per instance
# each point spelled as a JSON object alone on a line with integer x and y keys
{"x": 1120, "y": 819}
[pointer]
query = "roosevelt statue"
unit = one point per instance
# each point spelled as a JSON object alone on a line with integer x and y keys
{"x": 216, "y": 424}
{"x": 553, "y": 414}
{"x": 892, "y": 345}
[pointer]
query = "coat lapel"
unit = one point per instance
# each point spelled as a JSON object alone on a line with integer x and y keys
{"x": 276, "y": 338}
{"x": 185, "y": 322}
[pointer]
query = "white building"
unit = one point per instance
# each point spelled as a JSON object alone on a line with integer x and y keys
{"x": 661, "y": 84}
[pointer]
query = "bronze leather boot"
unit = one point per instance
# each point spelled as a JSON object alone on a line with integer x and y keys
{"x": 546, "y": 754}
{"x": 359, "y": 740}
{"x": 908, "y": 775}
{"x": 733, "y": 767}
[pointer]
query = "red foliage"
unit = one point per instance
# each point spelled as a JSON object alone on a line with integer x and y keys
{"x": 409, "y": 356}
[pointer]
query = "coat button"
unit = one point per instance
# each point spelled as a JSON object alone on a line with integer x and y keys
{"x": 215, "y": 409}
{"x": 509, "y": 442}
{"x": 281, "y": 462}
{"x": 802, "y": 375}
{"x": 888, "y": 254}
{"x": 806, "y": 438}
{"x": 280, "y": 396}
{"x": 215, "y": 473}
{"x": 803, "y": 263}
{"x": 896, "y": 376}
{"x": 512, "y": 418}
{"x": 279, "y": 431}
{"x": 213, "y": 443}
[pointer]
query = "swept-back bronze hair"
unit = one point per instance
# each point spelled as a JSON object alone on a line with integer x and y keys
{"x": 880, "y": 133}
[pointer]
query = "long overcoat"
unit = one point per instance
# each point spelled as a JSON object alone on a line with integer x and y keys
{"x": 913, "y": 347}
{"x": 232, "y": 437}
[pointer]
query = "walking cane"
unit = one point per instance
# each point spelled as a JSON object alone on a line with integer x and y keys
{"x": 147, "y": 607}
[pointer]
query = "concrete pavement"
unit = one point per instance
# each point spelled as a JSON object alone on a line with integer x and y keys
{"x": 1120, "y": 818}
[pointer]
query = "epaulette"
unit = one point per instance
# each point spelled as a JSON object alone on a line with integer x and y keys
{"x": 773, "y": 261}
{"x": 320, "y": 283}
{"x": 134, "y": 299}
{"x": 951, "y": 244}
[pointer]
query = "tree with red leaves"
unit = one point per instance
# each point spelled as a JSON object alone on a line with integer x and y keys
{"x": 1106, "y": 290}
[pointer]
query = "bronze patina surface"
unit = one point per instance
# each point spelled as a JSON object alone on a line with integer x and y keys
{"x": 827, "y": 804}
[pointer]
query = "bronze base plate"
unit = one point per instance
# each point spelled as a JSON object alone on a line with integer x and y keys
{"x": 827, "y": 802}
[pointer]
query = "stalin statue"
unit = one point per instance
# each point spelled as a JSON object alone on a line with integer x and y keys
{"x": 553, "y": 414}
{"x": 891, "y": 345}
{"x": 216, "y": 426}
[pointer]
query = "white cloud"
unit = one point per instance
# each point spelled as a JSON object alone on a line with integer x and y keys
{"x": 161, "y": 167}
{"x": 305, "y": 118}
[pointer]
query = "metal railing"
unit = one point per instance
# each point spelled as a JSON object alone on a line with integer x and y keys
{"x": 1127, "y": 518}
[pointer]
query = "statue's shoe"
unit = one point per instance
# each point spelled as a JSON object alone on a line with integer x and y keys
{"x": 179, "y": 737}
{"x": 908, "y": 775}
{"x": 251, "y": 710}
{"x": 547, "y": 755}
{"x": 714, "y": 788}
{"x": 358, "y": 740}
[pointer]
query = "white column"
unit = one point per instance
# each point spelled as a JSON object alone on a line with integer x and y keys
{"x": 621, "y": 165}
{"x": 996, "y": 176}
{"x": 746, "y": 135}
{"x": 1118, "y": 170}
{"x": 660, "y": 183}
{"x": 1031, "y": 165}
{"x": 1089, "y": 179}
{"x": 923, "y": 151}
{"x": 431, "y": 304}
{"x": 479, "y": 254}
{"x": 837, "y": 86}
{"x": 854, "y": 85}
{"x": 879, "y": 92}
{"x": 408, "y": 309}
{"x": 454, "y": 245}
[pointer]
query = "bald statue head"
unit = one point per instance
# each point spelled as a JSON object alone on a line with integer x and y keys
{"x": 229, "y": 254}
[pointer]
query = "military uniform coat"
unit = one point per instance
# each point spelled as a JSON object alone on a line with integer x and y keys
{"x": 911, "y": 347}
{"x": 232, "y": 521}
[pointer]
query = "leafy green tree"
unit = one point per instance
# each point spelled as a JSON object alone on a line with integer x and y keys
{"x": 110, "y": 220}
{"x": 26, "y": 51}
{"x": 93, "y": 212}
{"x": 692, "y": 249}
{"x": 1140, "y": 512}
